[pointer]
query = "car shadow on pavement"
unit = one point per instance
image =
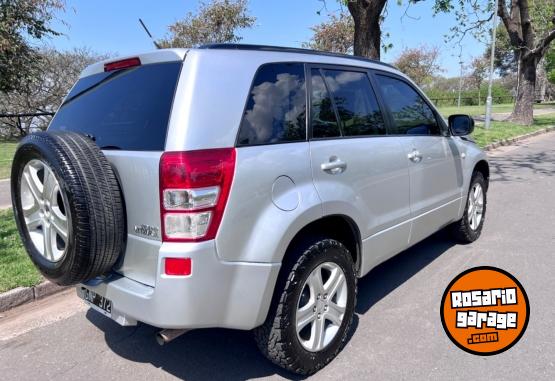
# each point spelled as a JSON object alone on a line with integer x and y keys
{"x": 386, "y": 277}
{"x": 518, "y": 167}
{"x": 221, "y": 354}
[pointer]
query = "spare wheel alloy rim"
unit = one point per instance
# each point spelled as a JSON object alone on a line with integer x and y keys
{"x": 45, "y": 210}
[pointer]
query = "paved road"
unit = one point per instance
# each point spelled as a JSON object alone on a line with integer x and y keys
{"x": 397, "y": 335}
{"x": 5, "y": 198}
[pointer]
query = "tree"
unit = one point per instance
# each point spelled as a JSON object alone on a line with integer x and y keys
{"x": 531, "y": 29}
{"x": 420, "y": 64}
{"x": 479, "y": 71}
{"x": 505, "y": 60}
{"x": 335, "y": 35}
{"x": 367, "y": 18}
{"x": 20, "y": 22}
{"x": 214, "y": 22}
{"x": 57, "y": 73}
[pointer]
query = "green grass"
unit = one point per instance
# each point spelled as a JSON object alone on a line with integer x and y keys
{"x": 7, "y": 151}
{"x": 16, "y": 269}
{"x": 505, "y": 130}
{"x": 481, "y": 110}
{"x": 473, "y": 110}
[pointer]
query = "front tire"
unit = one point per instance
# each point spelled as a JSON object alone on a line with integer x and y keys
{"x": 312, "y": 309}
{"x": 469, "y": 228}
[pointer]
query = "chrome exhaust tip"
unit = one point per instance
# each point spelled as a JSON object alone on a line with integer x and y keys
{"x": 167, "y": 335}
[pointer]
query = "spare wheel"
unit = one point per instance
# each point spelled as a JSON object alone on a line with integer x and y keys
{"x": 68, "y": 206}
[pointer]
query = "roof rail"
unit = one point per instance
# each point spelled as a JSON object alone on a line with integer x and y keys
{"x": 270, "y": 48}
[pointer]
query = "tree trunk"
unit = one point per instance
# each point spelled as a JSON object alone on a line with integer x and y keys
{"x": 368, "y": 35}
{"x": 541, "y": 81}
{"x": 523, "y": 112}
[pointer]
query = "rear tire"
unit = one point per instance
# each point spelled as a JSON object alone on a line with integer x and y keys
{"x": 295, "y": 349}
{"x": 469, "y": 228}
{"x": 68, "y": 206}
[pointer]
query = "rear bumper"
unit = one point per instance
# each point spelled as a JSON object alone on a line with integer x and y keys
{"x": 216, "y": 294}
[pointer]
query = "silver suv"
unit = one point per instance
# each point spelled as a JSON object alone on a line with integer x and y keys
{"x": 244, "y": 187}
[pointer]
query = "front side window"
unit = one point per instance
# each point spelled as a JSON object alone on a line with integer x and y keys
{"x": 356, "y": 103}
{"x": 411, "y": 114}
{"x": 276, "y": 108}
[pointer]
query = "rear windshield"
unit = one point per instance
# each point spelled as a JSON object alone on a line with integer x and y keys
{"x": 126, "y": 109}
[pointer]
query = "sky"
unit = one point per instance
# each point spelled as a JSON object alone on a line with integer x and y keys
{"x": 113, "y": 27}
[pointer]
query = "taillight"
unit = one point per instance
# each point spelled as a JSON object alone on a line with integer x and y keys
{"x": 194, "y": 187}
{"x": 122, "y": 64}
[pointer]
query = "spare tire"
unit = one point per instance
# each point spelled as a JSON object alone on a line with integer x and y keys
{"x": 68, "y": 206}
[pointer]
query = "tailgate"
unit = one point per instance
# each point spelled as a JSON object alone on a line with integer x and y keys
{"x": 126, "y": 112}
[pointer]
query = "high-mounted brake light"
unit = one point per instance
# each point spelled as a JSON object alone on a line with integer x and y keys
{"x": 194, "y": 187}
{"x": 122, "y": 64}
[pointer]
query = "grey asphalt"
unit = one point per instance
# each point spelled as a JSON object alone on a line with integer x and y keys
{"x": 397, "y": 332}
{"x": 5, "y": 198}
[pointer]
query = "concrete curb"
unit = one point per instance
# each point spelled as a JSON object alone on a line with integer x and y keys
{"x": 506, "y": 142}
{"x": 22, "y": 295}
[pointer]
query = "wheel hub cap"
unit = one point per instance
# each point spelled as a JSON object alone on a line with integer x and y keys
{"x": 321, "y": 306}
{"x": 45, "y": 210}
{"x": 475, "y": 206}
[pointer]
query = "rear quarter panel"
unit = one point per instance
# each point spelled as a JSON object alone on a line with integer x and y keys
{"x": 253, "y": 228}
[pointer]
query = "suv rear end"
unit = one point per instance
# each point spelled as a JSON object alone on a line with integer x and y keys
{"x": 152, "y": 115}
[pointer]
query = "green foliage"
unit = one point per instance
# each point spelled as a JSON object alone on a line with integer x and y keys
{"x": 505, "y": 60}
{"x": 420, "y": 63}
{"x": 214, "y": 22}
{"x": 550, "y": 65}
{"x": 449, "y": 97}
{"x": 475, "y": 110}
{"x": 21, "y": 22}
{"x": 474, "y": 17}
{"x": 16, "y": 269}
{"x": 506, "y": 130}
{"x": 334, "y": 35}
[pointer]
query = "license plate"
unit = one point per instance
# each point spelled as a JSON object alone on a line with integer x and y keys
{"x": 97, "y": 301}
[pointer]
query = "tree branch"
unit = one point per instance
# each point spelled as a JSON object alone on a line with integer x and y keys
{"x": 543, "y": 44}
{"x": 510, "y": 22}
{"x": 526, "y": 23}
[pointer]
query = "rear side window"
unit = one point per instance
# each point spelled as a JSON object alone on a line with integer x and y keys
{"x": 125, "y": 109}
{"x": 411, "y": 114}
{"x": 356, "y": 103}
{"x": 276, "y": 108}
{"x": 324, "y": 123}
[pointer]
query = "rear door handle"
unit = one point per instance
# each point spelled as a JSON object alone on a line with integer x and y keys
{"x": 334, "y": 167}
{"x": 415, "y": 156}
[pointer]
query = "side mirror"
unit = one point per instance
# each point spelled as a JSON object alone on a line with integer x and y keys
{"x": 461, "y": 125}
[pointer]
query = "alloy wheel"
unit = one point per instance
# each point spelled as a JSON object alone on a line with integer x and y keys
{"x": 321, "y": 306}
{"x": 475, "y": 206}
{"x": 45, "y": 210}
